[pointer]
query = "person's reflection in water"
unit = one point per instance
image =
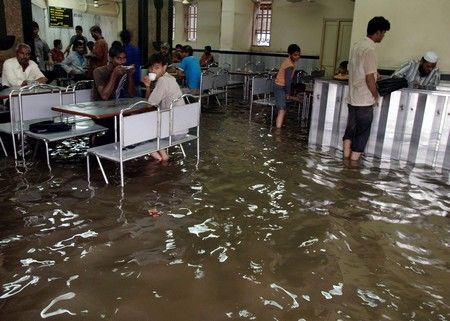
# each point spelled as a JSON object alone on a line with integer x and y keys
{"x": 352, "y": 164}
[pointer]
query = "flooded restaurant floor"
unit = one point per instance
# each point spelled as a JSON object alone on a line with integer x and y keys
{"x": 264, "y": 229}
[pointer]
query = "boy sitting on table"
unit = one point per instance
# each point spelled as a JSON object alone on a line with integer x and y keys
{"x": 165, "y": 91}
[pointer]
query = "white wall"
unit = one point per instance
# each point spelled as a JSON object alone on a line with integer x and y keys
{"x": 209, "y": 12}
{"x": 230, "y": 27}
{"x": 83, "y": 15}
{"x": 243, "y": 25}
{"x": 302, "y": 23}
{"x": 416, "y": 27}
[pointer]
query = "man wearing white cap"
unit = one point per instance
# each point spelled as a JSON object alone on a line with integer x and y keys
{"x": 421, "y": 74}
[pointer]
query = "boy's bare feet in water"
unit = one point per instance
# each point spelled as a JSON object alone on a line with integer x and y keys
{"x": 160, "y": 156}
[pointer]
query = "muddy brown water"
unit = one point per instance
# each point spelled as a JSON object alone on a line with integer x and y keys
{"x": 264, "y": 229}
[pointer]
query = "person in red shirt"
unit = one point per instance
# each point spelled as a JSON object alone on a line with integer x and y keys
{"x": 57, "y": 54}
{"x": 207, "y": 58}
{"x": 99, "y": 55}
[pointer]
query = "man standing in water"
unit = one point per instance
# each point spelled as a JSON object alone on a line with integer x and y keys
{"x": 362, "y": 94}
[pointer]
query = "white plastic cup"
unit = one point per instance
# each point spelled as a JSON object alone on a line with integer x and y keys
{"x": 152, "y": 76}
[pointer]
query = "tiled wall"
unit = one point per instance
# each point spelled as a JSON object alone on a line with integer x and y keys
{"x": 239, "y": 60}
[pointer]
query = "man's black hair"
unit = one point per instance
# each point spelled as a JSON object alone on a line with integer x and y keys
{"x": 179, "y": 46}
{"x": 77, "y": 43}
{"x": 344, "y": 64}
{"x": 293, "y": 48}
{"x": 188, "y": 49}
{"x": 125, "y": 36}
{"x": 157, "y": 58}
{"x": 96, "y": 29}
{"x": 377, "y": 24}
{"x": 79, "y": 28}
{"x": 115, "y": 50}
{"x": 56, "y": 42}
{"x": 208, "y": 48}
{"x": 116, "y": 43}
{"x": 35, "y": 25}
{"x": 90, "y": 44}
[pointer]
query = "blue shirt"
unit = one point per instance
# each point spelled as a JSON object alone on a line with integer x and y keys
{"x": 134, "y": 58}
{"x": 192, "y": 71}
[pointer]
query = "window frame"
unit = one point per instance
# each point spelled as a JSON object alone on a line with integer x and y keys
{"x": 191, "y": 22}
{"x": 262, "y": 23}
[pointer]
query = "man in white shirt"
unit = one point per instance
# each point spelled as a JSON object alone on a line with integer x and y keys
{"x": 363, "y": 94}
{"x": 20, "y": 70}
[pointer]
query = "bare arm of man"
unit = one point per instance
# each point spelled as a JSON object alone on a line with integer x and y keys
{"x": 105, "y": 91}
{"x": 130, "y": 82}
{"x": 372, "y": 85}
{"x": 42, "y": 80}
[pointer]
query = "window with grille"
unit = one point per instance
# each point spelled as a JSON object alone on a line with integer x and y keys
{"x": 262, "y": 23}
{"x": 191, "y": 22}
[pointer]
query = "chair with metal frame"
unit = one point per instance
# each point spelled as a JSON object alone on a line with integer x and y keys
{"x": 36, "y": 96}
{"x": 221, "y": 85}
{"x": 207, "y": 84}
{"x": 43, "y": 111}
{"x": 262, "y": 87}
{"x": 147, "y": 132}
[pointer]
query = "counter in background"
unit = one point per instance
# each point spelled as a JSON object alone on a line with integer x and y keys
{"x": 409, "y": 125}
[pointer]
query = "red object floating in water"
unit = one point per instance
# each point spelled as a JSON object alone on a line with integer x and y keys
{"x": 154, "y": 212}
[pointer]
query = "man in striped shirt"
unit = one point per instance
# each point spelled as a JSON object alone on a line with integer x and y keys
{"x": 421, "y": 74}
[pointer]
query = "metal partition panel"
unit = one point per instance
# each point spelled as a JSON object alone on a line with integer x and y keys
{"x": 39, "y": 105}
{"x": 207, "y": 81}
{"x": 318, "y": 110}
{"x": 370, "y": 147}
{"x": 332, "y": 108}
{"x": 14, "y": 109}
{"x": 398, "y": 115}
{"x": 139, "y": 128}
{"x": 259, "y": 86}
{"x": 442, "y": 159}
{"x": 83, "y": 95}
{"x": 430, "y": 130}
{"x": 165, "y": 123}
{"x": 411, "y": 126}
{"x": 185, "y": 117}
{"x": 67, "y": 97}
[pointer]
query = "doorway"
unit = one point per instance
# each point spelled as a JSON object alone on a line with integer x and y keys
{"x": 336, "y": 37}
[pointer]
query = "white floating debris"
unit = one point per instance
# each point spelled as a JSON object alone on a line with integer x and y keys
{"x": 66, "y": 296}
{"x": 309, "y": 242}
{"x": 292, "y": 295}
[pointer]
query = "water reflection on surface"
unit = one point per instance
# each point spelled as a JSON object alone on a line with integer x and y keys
{"x": 265, "y": 229}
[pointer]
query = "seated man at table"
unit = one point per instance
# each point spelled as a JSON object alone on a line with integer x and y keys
{"x": 76, "y": 63}
{"x": 207, "y": 58}
{"x": 190, "y": 69}
{"x": 166, "y": 90}
{"x": 165, "y": 50}
{"x": 177, "y": 53}
{"x": 20, "y": 70}
{"x": 421, "y": 74}
{"x": 115, "y": 80}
